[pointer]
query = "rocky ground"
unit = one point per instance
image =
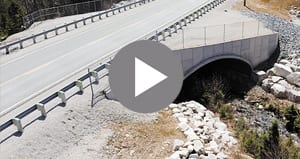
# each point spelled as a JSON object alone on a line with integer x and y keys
{"x": 289, "y": 35}
{"x": 207, "y": 136}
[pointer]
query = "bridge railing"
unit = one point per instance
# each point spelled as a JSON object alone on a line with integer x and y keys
{"x": 160, "y": 34}
{"x": 67, "y": 10}
{"x": 20, "y": 44}
{"x": 213, "y": 34}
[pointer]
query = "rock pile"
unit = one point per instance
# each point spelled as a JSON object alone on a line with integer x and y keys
{"x": 283, "y": 81}
{"x": 207, "y": 136}
{"x": 289, "y": 34}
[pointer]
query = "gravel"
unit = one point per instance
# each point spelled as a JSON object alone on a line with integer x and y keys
{"x": 289, "y": 34}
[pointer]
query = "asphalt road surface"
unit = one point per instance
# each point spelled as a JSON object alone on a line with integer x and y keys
{"x": 42, "y": 64}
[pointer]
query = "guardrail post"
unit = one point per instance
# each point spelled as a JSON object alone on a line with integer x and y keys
{"x": 76, "y": 26}
{"x": 156, "y": 35}
{"x": 106, "y": 14}
{"x": 119, "y": 10}
{"x": 95, "y": 75}
{"x": 62, "y": 96}
{"x": 7, "y": 50}
{"x": 170, "y": 32}
{"x": 34, "y": 40}
{"x": 125, "y": 8}
{"x": 41, "y": 108}
{"x": 175, "y": 27}
{"x": 79, "y": 85}
{"x": 18, "y": 124}
{"x": 67, "y": 29}
{"x": 84, "y": 23}
{"x": 185, "y": 23}
{"x": 21, "y": 45}
{"x": 45, "y": 36}
{"x": 56, "y": 31}
{"x": 180, "y": 24}
{"x": 92, "y": 20}
{"x": 164, "y": 35}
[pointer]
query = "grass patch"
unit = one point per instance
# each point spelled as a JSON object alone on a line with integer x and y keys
{"x": 147, "y": 140}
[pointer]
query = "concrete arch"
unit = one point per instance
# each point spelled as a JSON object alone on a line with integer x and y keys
{"x": 217, "y": 58}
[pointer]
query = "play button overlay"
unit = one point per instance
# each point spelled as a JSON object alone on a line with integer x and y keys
{"x": 145, "y": 76}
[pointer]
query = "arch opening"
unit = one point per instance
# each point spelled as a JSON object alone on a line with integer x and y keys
{"x": 228, "y": 77}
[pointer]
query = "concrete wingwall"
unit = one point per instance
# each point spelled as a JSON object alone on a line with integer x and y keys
{"x": 253, "y": 51}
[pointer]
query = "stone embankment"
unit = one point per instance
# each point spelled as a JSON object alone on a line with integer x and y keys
{"x": 282, "y": 80}
{"x": 207, "y": 136}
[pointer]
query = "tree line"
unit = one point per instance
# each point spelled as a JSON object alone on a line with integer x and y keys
{"x": 12, "y": 11}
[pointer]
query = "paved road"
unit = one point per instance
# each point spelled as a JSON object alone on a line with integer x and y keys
{"x": 44, "y": 63}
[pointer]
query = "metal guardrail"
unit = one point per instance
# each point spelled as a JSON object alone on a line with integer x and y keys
{"x": 44, "y": 34}
{"x": 158, "y": 35}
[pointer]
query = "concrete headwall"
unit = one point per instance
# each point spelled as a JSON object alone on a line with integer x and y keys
{"x": 250, "y": 50}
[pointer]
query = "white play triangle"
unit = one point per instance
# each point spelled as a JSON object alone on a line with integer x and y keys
{"x": 146, "y": 77}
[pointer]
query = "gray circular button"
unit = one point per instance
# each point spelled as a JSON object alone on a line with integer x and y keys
{"x": 145, "y": 76}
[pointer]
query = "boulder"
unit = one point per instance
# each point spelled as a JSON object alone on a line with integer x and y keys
{"x": 294, "y": 96}
{"x": 285, "y": 84}
{"x": 177, "y": 144}
{"x": 267, "y": 84}
{"x": 276, "y": 79}
{"x": 184, "y": 126}
{"x": 284, "y": 62}
{"x": 198, "y": 145}
{"x": 220, "y": 125}
{"x": 193, "y": 156}
{"x": 278, "y": 91}
{"x": 270, "y": 72}
{"x": 261, "y": 75}
{"x": 294, "y": 78}
{"x": 282, "y": 70}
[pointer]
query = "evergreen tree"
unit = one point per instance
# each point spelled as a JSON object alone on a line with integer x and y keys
{"x": 15, "y": 18}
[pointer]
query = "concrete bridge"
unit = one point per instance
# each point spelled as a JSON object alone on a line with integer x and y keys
{"x": 57, "y": 58}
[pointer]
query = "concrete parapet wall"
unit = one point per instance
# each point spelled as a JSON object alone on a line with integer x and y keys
{"x": 253, "y": 51}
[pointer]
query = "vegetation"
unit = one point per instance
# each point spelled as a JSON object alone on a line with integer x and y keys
{"x": 12, "y": 11}
{"x": 267, "y": 145}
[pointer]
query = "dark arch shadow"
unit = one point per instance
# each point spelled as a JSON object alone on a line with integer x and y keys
{"x": 236, "y": 74}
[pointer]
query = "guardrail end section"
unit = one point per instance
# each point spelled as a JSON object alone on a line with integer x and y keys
{"x": 62, "y": 96}
{"x": 79, "y": 85}
{"x": 95, "y": 75}
{"x": 18, "y": 124}
{"x": 41, "y": 108}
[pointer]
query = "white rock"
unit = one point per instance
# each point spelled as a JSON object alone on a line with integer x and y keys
{"x": 198, "y": 124}
{"x": 175, "y": 155}
{"x": 193, "y": 156}
{"x": 276, "y": 79}
{"x": 294, "y": 96}
{"x": 278, "y": 91}
{"x": 294, "y": 78}
{"x": 261, "y": 107}
{"x": 211, "y": 156}
{"x": 267, "y": 84}
{"x": 261, "y": 75}
{"x": 285, "y": 84}
{"x": 183, "y": 153}
{"x": 214, "y": 146}
{"x": 177, "y": 144}
{"x": 282, "y": 70}
{"x": 176, "y": 110}
{"x": 184, "y": 126}
{"x": 198, "y": 145}
{"x": 209, "y": 114}
{"x": 177, "y": 115}
{"x": 190, "y": 148}
{"x": 270, "y": 72}
{"x": 193, "y": 136}
{"x": 182, "y": 119}
{"x": 173, "y": 105}
{"x": 220, "y": 125}
{"x": 221, "y": 155}
{"x": 284, "y": 62}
